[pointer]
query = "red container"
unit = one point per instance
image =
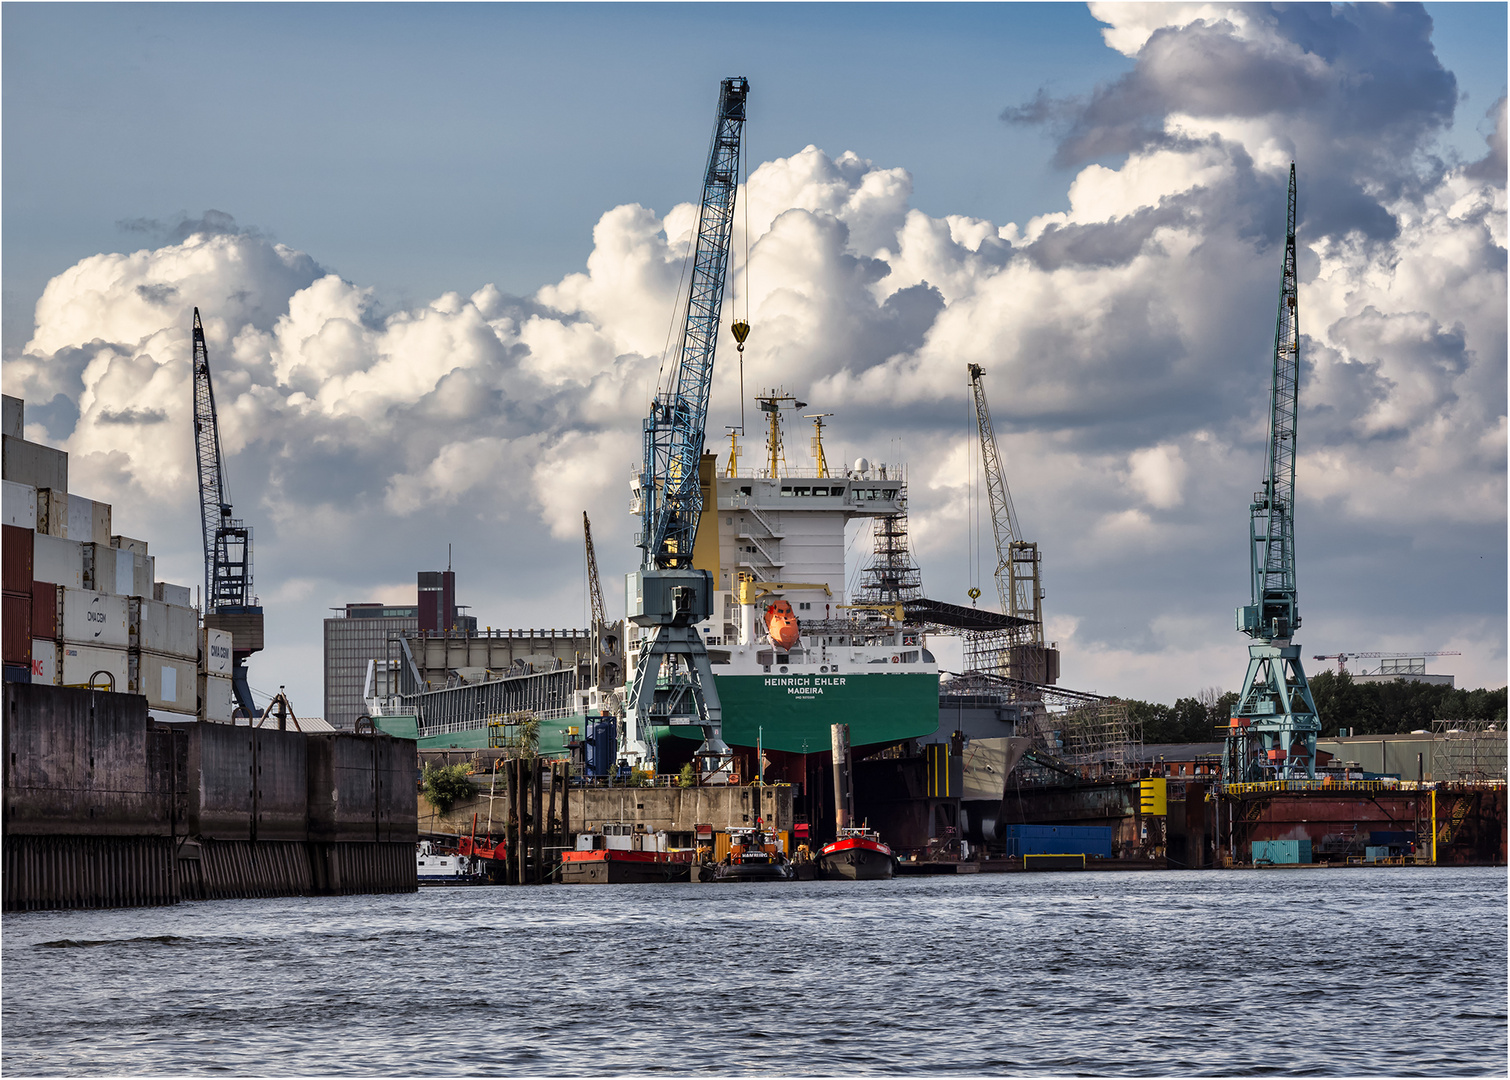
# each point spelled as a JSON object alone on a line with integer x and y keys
{"x": 44, "y": 610}
{"x": 16, "y": 546}
{"x": 16, "y": 629}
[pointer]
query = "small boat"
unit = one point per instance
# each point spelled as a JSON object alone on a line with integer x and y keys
{"x": 623, "y": 854}
{"x": 751, "y": 857}
{"x": 433, "y": 868}
{"x": 857, "y": 855}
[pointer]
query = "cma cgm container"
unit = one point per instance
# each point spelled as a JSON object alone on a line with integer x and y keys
{"x": 1058, "y": 840}
{"x": 91, "y": 618}
{"x": 167, "y": 629}
{"x": 167, "y": 682}
{"x": 81, "y": 663}
{"x": 215, "y": 652}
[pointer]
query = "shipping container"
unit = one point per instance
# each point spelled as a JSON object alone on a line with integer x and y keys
{"x": 52, "y": 513}
{"x": 99, "y": 568}
{"x": 17, "y": 673}
{"x": 167, "y": 682}
{"x": 1058, "y": 840}
{"x": 125, "y": 571}
{"x": 1282, "y": 852}
{"x": 168, "y": 716}
{"x": 215, "y": 652}
{"x": 18, "y": 556}
{"x": 45, "y": 602}
{"x": 14, "y": 412}
{"x": 142, "y": 571}
{"x": 125, "y": 543}
{"x": 34, "y": 464}
{"x": 44, "y": 662}
{"x": 82, "y": 662}
{"x": 215, "y": 701}
{"x": 181, "y": 595}
{"x": 59, "y": 561}
{"x": 81, "y": 519}
{"x": 168, "y": 629}
{"x": 20, "y": 504}
{"x": 91, "y": 618}
{"x": 16, "y": 632}
{"x": 99, "y": 532}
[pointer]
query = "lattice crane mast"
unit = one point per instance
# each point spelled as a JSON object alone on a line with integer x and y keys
{"x": 667, "y": 595}
{"x": 599, "y": 612}
{"x": 1018, "y": 583}
{"x": 1274, "y": 728}
{"x": 229, "y": 602}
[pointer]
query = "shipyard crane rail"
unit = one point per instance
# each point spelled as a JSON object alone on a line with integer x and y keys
{"x": 1018, "y": 583}
{"x": 668, "y": 596}
{"x": 1274, "y": 728}
{"x": 229, "y": 602}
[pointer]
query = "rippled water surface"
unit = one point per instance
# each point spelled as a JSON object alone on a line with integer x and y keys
{"x": 1334, "y": 972}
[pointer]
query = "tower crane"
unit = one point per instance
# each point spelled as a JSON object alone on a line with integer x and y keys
{"x": 1274, "y": 727}
{"x": 229, "y": 603}
{"x": 1343, "y": 657}
{"x": 668, "y": 596}
{"x": 1018, "y": 583}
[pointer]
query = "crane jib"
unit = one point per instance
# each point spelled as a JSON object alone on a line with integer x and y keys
{"x": 674, "y": 431}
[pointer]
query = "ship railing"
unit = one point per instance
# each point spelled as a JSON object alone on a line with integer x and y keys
{"x": 426, "y": 730}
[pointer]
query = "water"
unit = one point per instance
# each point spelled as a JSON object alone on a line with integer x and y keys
{"x": 1324, "y": 972}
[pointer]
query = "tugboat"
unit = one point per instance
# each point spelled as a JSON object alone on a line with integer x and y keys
{"x": 857, "y": 855}
{"x": 434, "y": 868}
{"x": 751, "y": 857}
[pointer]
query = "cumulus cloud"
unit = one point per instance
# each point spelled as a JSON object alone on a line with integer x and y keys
{"x": 1126, "y": 342}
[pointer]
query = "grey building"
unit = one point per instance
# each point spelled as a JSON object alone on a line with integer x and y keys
{"x": 360, "y": 633}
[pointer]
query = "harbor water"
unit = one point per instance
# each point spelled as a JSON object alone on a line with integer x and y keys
{"x": 1393, "y": 971}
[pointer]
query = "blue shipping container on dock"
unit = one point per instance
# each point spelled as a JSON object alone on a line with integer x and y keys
{"x": 1058, "y": 840}
{"x": 1281, "y": 852}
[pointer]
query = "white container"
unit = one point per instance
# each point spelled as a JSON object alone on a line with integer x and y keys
{"x": 125, "y": 543}
{"x": 91, "y": 618}
{"x": 216, "y": 703}
{"x": 172, "y": 594}
{"x": 101, "y": 525}
{"x": 80, "y": 662}
{"x": 44, "y": 662}
{"x": 168, "y": 716}
{"x": 162, "y": 628}
{"x": 100, "y": 563}
{"x": 125, "y": 572}
{"x": 20, "y": 504}
{"x": 58, "y": 561}
{"x": 167, "y": 682}
{"x": 80, "y": 519}
{"x": 142, "y": 572}
{"x": 215, "y": 652}
{"x": 52, "y": 513}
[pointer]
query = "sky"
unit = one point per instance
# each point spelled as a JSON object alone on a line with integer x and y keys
{"x": 436, "y": 249}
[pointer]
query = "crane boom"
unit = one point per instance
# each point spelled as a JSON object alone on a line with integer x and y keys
{"x": 595, "y": 595}
{"x": 229, "y": 603}
{"x": 1274, "y": 727}
{"x": 668, "y": 596}
{"x": 1018, "y": 583}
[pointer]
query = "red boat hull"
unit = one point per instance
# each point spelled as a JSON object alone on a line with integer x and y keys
{"x": 623, "y": 867}
{"x": 855, "y": 858}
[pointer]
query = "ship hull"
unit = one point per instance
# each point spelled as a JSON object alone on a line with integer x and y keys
{"x": 852, "y": 860}
{"x": 796, "y": 712}
{"x": 622, "y": 868}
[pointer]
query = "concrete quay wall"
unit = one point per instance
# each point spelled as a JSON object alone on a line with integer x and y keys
{"x": 105, "y": 807}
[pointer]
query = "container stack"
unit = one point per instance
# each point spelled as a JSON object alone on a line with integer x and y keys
{"x": 82, "y": 606}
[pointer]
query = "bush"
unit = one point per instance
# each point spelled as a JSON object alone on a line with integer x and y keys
{"x": 446, "y": 786}
{"x": 687, "y": 777}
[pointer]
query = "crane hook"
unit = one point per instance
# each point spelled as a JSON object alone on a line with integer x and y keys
{"x": 741, "y": 330}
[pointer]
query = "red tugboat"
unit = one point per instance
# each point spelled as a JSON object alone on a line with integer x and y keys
{"x": 858, "y": 855}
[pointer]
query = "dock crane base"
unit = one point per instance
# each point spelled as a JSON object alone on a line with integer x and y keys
{"x": 1274, "y": 727}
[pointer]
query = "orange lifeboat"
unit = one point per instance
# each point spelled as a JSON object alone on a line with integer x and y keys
{"x": 781, "y": 625}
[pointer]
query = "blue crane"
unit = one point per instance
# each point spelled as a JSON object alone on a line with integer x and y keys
{"x": 229, "y": 603}
{"x": 1274, "y": 727}
{"x": 668, "y": 596}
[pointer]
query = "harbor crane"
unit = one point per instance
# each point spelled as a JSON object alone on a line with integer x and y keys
{"x": 599, "y": 611}
{"x": 1018, "y": 583}
{"x": 1343, "y": 657}
{"x": 229, "y": 602}
{"x": 667, "y": 596}
{"x": 1274, "y": 727}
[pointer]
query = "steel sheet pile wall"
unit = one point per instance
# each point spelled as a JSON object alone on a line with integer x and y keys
{"x": 104, "y": 807}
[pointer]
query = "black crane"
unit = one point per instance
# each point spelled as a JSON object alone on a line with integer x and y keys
{"x": 229, "y": 602}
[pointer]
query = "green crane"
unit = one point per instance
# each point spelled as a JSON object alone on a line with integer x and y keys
{"x": 1274, "y": 727}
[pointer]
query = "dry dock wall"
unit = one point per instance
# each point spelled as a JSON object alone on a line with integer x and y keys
{"x": 104, "y": 807}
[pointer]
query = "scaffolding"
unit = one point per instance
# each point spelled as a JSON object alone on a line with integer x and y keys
{"x": 1467, "y": 750}
{"x": 892, "y": 577}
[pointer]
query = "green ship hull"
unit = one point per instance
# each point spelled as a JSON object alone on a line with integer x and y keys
{"x": 796, "y": 712}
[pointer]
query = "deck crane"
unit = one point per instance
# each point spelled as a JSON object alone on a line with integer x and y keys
{"x": 229, "y": 603}
{"x": 667, "y": 595}
{"x": 1018, "y": 584}
{"x": 1274, "y": 727}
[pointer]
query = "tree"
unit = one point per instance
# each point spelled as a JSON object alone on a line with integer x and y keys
{"x": 446, "y": 786}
